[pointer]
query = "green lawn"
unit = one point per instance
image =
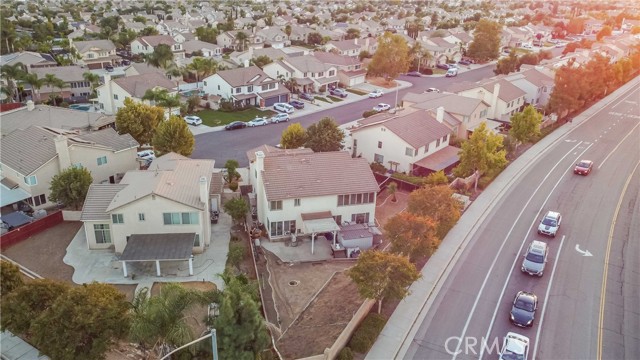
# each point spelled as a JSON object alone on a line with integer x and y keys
{"x": 320, "y": 98}
{"x": 334, "y": 99}
{"x": 358, "y": 92}
{"x": 218, "y": 118}
{"x": 437, "y": 71}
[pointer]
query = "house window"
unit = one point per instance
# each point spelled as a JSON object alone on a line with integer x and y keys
{"x": 426, "y": 148}
{"x": 280, "y": 228}
{"x": 465, "y": 119}
{"x": 444, "y": 138}
{"x": 31, "y": 180}
{"x": 332, "y": 72}
{"x": 117, "y": 218}
{"x": 415, "y": 152}
{"x": 238, "y": 90}
{"x": 378, "y": 158}
{"x": 250, "y": 88}
{"x": 186, "y": 218}
{"x": 360, "y": 218}
{"x": 37, "y": 200}
{"x": 437, "y": 142}
{"x": 196, "y": 241}
{"x": 115, "y": 96}
{"x": 296, "y": 202}
{"x": 102, "y": 160}
{"x": 275, "y": 205}
{"x": 141, "y": 216}
{"x": 103, "y": 233}
{"x": 408, "y": 151}
{"x": 379, "y": 144}
{"x": 338, "y": 219}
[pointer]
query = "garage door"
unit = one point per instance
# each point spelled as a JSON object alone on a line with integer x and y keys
{"x": 94, "y": 66}
{"x": 272, "y": 100}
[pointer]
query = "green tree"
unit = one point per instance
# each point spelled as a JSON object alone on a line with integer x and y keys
{"x": 314, "y": 38}
{"x": 508, "y": 64}
{"x": 173, "y": 135}
{"x": 148, "y": 31}
{"x": 293, "y": 137}
{"x": 237, "y": 208}
{"x": 261, "y": 61}
{"x": 324, "y": 136}
{"x": 125, "y": 37}
{"x": 525, "y": 125}
{"x": 486, "y": 41}
{"x": 232, "y": 174}
{"x": 207, "y": 34}
{"x": 12, "y": 73}
{"x": 380, "y": 275}
{"x": 483, "y": 152}
{"x": 192, "y": 103}
{"x": 53, "y": 81}
{"x": 160, "y": 321}
{"x": 287, "y": 30}
{"x": 391, "y": 58}
{"x": 70, "y": 186}
{"x": 241, "y": 330}
{"x": 92, "y": 79}
{"x": 411, "y": 235}
{"x": 437, "y": 178}
{"x": 242, "y": 39}
{"x": 203, "y": 67}
{"x": 139, "y": 120}
{"x": 10, "y": 278}
{"x": 82, "y": 323}
{"x": 566, "y": 94}
{"x": 32, "y": 80}
{"x": 437, "y": 203}
{"x": 352, "y": 33}
{"x": 161, "y": 57}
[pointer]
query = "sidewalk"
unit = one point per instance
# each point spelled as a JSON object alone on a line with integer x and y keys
{"x": 395, "y": 339}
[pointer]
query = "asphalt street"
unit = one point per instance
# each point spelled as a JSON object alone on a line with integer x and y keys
{"x": 577, "y": 317}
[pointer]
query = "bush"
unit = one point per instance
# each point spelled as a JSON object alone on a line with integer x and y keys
{"x": 368, "y": 113}
{"x": 416, "y": 180}
{"x": 426, "y": 71}
{"x": 233, "y": 186}
{"x": 345, "y": 354}
{"x": 236, "y": 254}
{"x": 379, "y": 168}
{"x": 367, "y": 333}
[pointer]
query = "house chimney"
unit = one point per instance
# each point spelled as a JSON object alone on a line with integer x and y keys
{"x": 258, "y": 187}
{"x": 30, "y": 105}
{"x": 246, "y": 63}
{"x": 204, "y": 190}
{"x": 440, "y": 114}
{"x": 494, "y": 99}
{"x": 62, "y": 149}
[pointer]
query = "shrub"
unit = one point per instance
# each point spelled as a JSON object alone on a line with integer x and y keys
{"x": 233, "y": 186}
{"x": 484, "y": 182}
{"x": 368, "y": 113}
{"x": 416, "y": 180}
{"x": 345, "y": 354}
{"x": 236, "y": 254}
{"x": 426, "y": 71}
{"x": 367, "y": 333}
{"x": 377, "y": 167}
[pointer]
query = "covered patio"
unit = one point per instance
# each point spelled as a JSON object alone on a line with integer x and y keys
{"x": 444, "y": 159}
{"x": 157, "y": 248}
{"x": 319, "y": 222}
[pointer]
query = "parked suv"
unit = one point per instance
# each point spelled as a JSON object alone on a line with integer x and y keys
{"x": 536, "y": 258}
{"x": 283, "y": 107}
{"x": 338, "y": 92}
{"x": 550, "y": 224}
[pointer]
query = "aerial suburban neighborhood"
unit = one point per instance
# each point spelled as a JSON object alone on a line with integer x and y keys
{"x": 305, "y": 179}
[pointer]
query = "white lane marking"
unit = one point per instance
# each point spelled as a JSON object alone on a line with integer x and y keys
{"x": 624, "y": 99}
{"x": 583, "y": 253}
{"x": 617, "y": 146}
{"x": 495, "y": 259}
{"x": 524, "y": 241}
{"x": 546, "y": 300}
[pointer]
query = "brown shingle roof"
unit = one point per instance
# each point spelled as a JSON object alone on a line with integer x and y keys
{"x": 98, "y": 199}
{"x": 137, "y": 85}
{"x": 155, "y": 40}
{"x": 84, "y": 46}
{"x": 452, "y": 103}
{"x": 245, "y": 76}
{"x": 417, "y": 128}
{"x": 507, "y": 92}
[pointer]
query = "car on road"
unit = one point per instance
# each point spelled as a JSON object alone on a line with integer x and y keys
{"x": 514, "y": 347}
{"x": 338, "y": 92}
{"x": 297, "y": 104}
{"x": 443, "y": 66}
{"x": 147, "y": 154}
{"x": 277, "y": 118}
{"x": 432, "y": 90}
{"x": 550, "y": 224}
{"x": 382, "y": 107}
{"x": 464, "y": 62}
{"x": 583, "y": 167}
{"x": 306, "y": 96}
{"x": 283, "y": 107}
{"x": 258, "y": 122}
{"x": 523, "y": 310}
{"x": 236, "y": 125}
{"x": 376, "y": 93}
{"x": 536, "y": 258}
{"x": 414, "y": 73}
{"x": 193, "y": 120}
{"x": 452, "y": 72}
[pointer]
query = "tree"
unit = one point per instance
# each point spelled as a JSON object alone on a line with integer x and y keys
{"x": 392, "y": 188}
{"x": 380, "y": 275}
{"x": 125, "y": 37}
{"x": 70, "y": 186}
{"x": 352, "y": 33}
{"x": 203, "y": 67}
{"x": 314, "y": 38}
{"x": 525, "y": 125}
{"x": 92, "y": 79}
{"x": 437, "y": 178}
{"x": 192, "y": 103}
{"x": 35, "y": 83}
{"x": 391, "y": 58}
{"x": 12, "y": 73}
{"x": 508, "y": 64}
{"x": 139, "y": 120}
{"x": 232, "y": 174}
{"x": 486, "y": 41}
{"x": 324, "y": 136}
{"x": 237, "y": 208}
{"x": 261, "y": 61}
{"x": 82, "y": 323}
{"x": 160, "y": 321}
{"x": 293, "y": 137}
{"x": 242, "y": 39}
{"x": 207, "y": 34}
{"x": 52, "y": 81}
{"x": 148, "y": 31}
{"x": 412, "y": 235}
{"x": 10, "y": 278}
{"x": 483, "y": 152}
{"x": 565, "y": 96}
{"x": 287, "y": 30}
{"x": 437, "y": 203}
{"x": 635, "y": 30}
{"x": 241, "y": 330}
{"x": 161, "y": 57}
{"x": 173, "y": 135}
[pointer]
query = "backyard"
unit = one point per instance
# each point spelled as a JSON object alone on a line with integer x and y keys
{"x": 219, "y": 118}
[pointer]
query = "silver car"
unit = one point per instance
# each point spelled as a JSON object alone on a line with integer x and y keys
{"x": 536, "y": 258}
{"x": 550, "y": 224}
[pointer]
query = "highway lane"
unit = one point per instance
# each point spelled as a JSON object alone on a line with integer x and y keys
{"x": 570, "y": 327}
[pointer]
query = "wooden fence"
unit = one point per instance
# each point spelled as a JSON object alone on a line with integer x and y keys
{"x": 16, "y": 235}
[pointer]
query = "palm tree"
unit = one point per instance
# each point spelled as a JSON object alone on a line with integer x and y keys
{"x": 161, "y": 57}
{"x": 34, "y": 82}
{"x": 242, "y": 38}
{"x": 177, "y": 74}
{"x": 161, "y": 97}
{"x": 12, "y": 73}
{"x": 53, "y": 81}
{"x": 92, "y": 79}
{"x": 203, "y": 67}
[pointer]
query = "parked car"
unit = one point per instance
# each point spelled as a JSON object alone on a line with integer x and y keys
{"x": 193, "y": 120}
{"x": 297, "y": 104}
{"x": 126, "y": 62}
{"x": 523, "y": 310}
{"x": 109, "y": 68}
{"x": 464, "y": 62}
{"x": 583, "y": 167}
{"x": 283, "y": 107}
{"x": 443, "y": 66}
{"x": 414, "y": 73}
{"x": 514, "y": 347}
{"x": 535, "y": 259}
{"x": 381, "y": 107}
{"x": 434, "y": 90}
{"x": 338, "y": 92}
{"x": 550, "y": 224}
{"x": 236, "y": 125}
{"x": 146, "y": 154}
{"x": 305, "y": 96}
{"x": 258, "y": 122}
{"x": 452, "y": 72}
{"x": 279, "y": 118}
{"x": 376, "y": 93}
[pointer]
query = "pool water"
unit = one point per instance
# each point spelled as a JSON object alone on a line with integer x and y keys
{"x": 81, "y": 107}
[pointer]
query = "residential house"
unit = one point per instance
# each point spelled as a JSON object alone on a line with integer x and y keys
{"x": 147, "y": 45}
{"x": 207, "y": 49}
{"x": 229, "y": 40}
{"x": 351, "y": 72}
{"x": 135, "y": 26}
{"x": 142, "y": 68}
{"x": 112, "y": 94}
{"x": 329, "y": 189}
{"x": 96, "y": 54}
{"x": 158, "y": 214}
{"x": 28, "y": 59}
{"x": 416, "y": 142}
{"x": 246, "y": 86}
{"x": 536, "y": 82}
{"x": 518, "y": 36}
{"x": 442, "y": 51}
{"x": 310, "y": 74}
{"x": 371, "y": 28}
{"x": 183, "y": 37}
{"x": 32, "y": 156}
{"x": 299, "y": 33}
{"x": 503, "y": 97}
{"x": 243, "y": 58}
{"x": 274, "y": 37}
{"x": 76, "y": 87}
{"x": 352, "y": 47}
{"x": 593, "y": 26}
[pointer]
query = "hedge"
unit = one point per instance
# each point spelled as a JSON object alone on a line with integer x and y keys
{"x": 367, "y": 333}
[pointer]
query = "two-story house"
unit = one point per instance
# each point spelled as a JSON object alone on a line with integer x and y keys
{"x": 442, "y": 51}
{"x": 112, "y": 94}
{"x": 159, "y": 214}
{"x": 246, "y": 86}
{"x": 504, "y": 98}
{"x": 232, "y": 40}
{"x": 76, "y": 87}
{"x": 352, "y": 47}
{"x": 535, "y": 82}
{"x": 208, "y": 50}
{"x": 274, "y": 37}
{"x": 329, "y": 189}
{"x": 351, "y": 72}
{"x": 147, "y": 44}
{"x": 96, "y": 54}
{"x": 31, "y": 157}
{"x": 311, "y": 74}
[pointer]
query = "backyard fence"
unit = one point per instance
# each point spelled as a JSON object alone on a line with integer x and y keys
{"x": 16, "y": 235}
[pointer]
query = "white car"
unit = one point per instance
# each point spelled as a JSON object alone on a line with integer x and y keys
{"x": 279, "y": 118}
{"x": 283, "y": 107}
{"x": 434, "y": 90}
{"x": 382, "y": 107}
{"x": 550, "y": 224}
{"x": 257, "y": 122}
{"x": 376, "y": 93}
{"x": 515, "y": 347}
{"x": 193, "y": 120}
{"x": 146, "y": 154}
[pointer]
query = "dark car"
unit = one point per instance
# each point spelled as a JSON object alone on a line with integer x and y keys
{"x": 126, "y": 62}
{"x": 297, "y": 104}
{"x": 236, "y": 125}
{"x": 524, "y": 308}
{"x": 464, "y": 62}
{"x": 443, "y": 66}
{"x": 109, "y": 68}
{"x": 414, "y": 73}
{"x": 583, "y": 167}
{"x": 306, "y": 96}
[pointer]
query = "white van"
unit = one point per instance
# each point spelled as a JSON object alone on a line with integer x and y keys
{"x": 452, "y": 72}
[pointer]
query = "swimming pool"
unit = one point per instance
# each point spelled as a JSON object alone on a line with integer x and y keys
{"x": 81, "y": 107}
{"x": 189, "y": 93}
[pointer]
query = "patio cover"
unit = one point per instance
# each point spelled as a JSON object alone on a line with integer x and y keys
{"x": 10, "y": 196}
{"x": 319, "y": 222}
{"x": 441, "y": 159}
{"x": 151, "y": 247}
{"x": 16, "y": 219}
{"x": 244, "y": 96}
{"x": 303, "y": 81}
